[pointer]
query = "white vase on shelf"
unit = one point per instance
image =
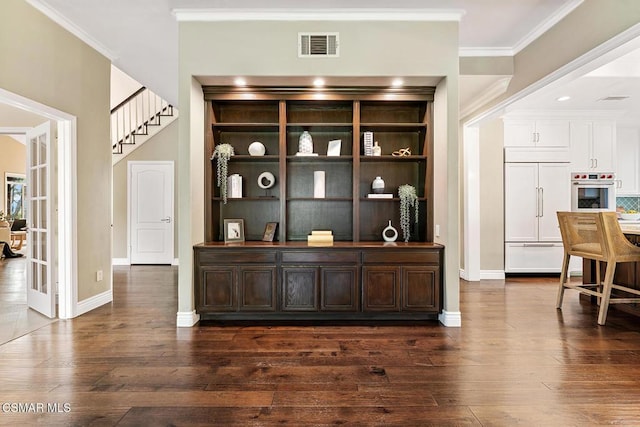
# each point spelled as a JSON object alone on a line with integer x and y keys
{"x": 305, "y": 143}
{"x": 377, "y": 186}
{"x": 389, "y": 234}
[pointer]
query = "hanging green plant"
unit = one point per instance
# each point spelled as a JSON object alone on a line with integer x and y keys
{"x": 408, "y": 200}
{"x": 222, "y": 153}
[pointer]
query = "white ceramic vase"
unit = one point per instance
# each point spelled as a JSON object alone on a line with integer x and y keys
{"x": 377, "y": 186}
{"x": 305, "y": 143}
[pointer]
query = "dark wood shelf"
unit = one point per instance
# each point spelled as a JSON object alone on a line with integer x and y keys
{"x": 323, "y": 199}
{"x": 390, "y": 158}
{"x": 247, "y": 126}
{"x": 319, "y": 159}
{"x": 248, "y": 158}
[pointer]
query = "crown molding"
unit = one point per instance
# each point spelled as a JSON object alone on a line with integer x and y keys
{"x": 65, "y": 23}
{"x": 485, "y": 51}
{"x": 492, "y": 92}
{"x": 543, "y": 27}
{"x": 380, "y": 14}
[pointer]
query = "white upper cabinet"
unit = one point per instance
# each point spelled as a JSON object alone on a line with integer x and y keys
{"x": 628, "y": 155}
{"x": 536, "y": 133}
{"x": 593, "y": 145}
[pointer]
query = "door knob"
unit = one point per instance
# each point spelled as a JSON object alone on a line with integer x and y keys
{"x": 167, "y": 219}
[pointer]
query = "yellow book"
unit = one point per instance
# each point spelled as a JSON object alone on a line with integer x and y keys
{"x": 321, "y": 233}
{"x": 321, "y": 238}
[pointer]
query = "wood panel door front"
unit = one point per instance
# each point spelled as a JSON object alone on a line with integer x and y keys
{"x": 381, "y": 288}
{"x": 299, "y": 289}
{"x": 339, "y": 289}
{"x": 218, "y": 289}
{"x": 257, "y": 288}
{"x": 419, "y": 288}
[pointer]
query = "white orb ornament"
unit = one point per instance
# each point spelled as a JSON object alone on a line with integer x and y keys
{"x": 256, "y": 149}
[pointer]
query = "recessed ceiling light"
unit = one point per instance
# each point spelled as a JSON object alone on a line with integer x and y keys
{"x": 318, "y": 82}
{"x": 397, "y": 83}
{"x": 563, "y": 98}
{"x": 239, "y": 81}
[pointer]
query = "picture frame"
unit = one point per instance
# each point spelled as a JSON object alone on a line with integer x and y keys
{"x": 270, "y": 231}
{"x": 233, "y": 230}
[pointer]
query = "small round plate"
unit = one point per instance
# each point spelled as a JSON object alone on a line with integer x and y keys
{"x": 256, "y": 149}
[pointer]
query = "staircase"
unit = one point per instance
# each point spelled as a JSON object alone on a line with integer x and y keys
{"x": 136, "y": 120}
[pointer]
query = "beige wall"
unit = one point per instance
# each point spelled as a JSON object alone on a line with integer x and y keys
{"x": 269, "y": 49}
{"x": 162, "y": 147}
{"x": 13, "y": 159}
{"x": 491, "y": 196}
{"x": 45, "y": 63}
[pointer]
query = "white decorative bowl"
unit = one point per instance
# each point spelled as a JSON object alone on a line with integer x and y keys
{"x": 630, "y": 216}
{"x": 256, "y": 149}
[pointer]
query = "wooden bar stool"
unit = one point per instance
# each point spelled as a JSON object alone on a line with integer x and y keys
{"x": 596, "y": 236}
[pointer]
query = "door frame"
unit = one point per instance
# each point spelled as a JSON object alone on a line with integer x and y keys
{"x": 66, "y": 204}
{"x": 173, "y": 203}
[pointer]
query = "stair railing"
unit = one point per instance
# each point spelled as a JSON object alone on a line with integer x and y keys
{"x": 134, "y": 115}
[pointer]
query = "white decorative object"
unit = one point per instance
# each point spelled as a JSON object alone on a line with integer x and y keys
{"x": 377, "y": 150}
{"x": 305, "y": 143}
{"x": 318, "y": 184}
{"x": 256, "y": 149}
{"x": 389, "y": 234}
{"x": 368, "y": 143}
{"x": 377, "y": 186}
{"x": 334, "y": 147}
{"x": 266, "y": 180}
{"x": 234, "y": 186}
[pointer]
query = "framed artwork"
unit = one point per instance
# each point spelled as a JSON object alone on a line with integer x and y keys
{"x": 269, "y": 231}
{"x": 233, "y": 230}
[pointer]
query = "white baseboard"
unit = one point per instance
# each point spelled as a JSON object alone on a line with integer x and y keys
{"x": 93, "y": 302}
{"x": 176, "y": 261}
{"x": 451, "y": 319}
{"x": 186, "y": 319}
{"x": 120, "y": 261}
{"x": 492, "y": 275}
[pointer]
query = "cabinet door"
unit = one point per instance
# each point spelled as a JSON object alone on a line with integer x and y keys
{"x": 552, "y": 133}
{"x": 628, "y": 155}
{"x": 521, "y": 202}
{"x": 420, "y": 287}
{"x": 299, "y": 289}
{"x": 555, "y": 195}
{"x": 218, "y": 290}
{"x": 381, "y": 288}
{"x": 603, "y": 146}
{"x": 519, "y": 133}
{"x": 339, "y": 289}
{"x": 581, "y": 159}
{"x": 257, "y": 288}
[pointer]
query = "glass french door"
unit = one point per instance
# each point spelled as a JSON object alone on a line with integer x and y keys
{"x": 41, "y": 290}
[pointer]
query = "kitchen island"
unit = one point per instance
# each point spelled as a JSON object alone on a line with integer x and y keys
{"x": 627, "y": 274}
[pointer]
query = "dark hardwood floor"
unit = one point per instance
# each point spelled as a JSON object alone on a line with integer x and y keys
{"x": 515, "y": 361}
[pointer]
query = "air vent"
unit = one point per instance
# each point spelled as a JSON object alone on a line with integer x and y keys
{"x": 317, "y": 44}
{"x": 614, "y": 98}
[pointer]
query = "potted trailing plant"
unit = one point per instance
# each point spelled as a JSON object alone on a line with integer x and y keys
{"x": 222, "y": 153}
{"x": 408, "y": 200}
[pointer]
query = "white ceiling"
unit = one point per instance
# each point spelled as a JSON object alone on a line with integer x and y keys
{"x": 141, "y": 37}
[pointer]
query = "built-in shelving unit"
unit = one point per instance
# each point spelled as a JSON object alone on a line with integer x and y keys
{"x": 359, "y": 276}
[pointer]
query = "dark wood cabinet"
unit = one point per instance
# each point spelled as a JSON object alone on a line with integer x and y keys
{"x": 348, "y": 280}
{"x": 359, "y": 276}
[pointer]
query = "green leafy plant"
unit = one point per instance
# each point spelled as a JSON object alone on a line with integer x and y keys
{"x": 408, "y": 200}
{"x": 222, "y": 153}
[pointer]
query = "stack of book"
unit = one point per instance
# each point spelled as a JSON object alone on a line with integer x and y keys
{"x": 320, "y": 238}
{"x": 368, "y": 143}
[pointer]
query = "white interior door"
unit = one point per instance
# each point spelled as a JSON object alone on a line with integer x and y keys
{"x": 151, "y": 212}
{"x": 41, "y": 290}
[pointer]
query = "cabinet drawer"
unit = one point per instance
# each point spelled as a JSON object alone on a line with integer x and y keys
{"x": 236, "y": 257}
{"x": 533, "y": 257}
{"x": 329, "y": 256}
{"x": 401, "y": 257}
